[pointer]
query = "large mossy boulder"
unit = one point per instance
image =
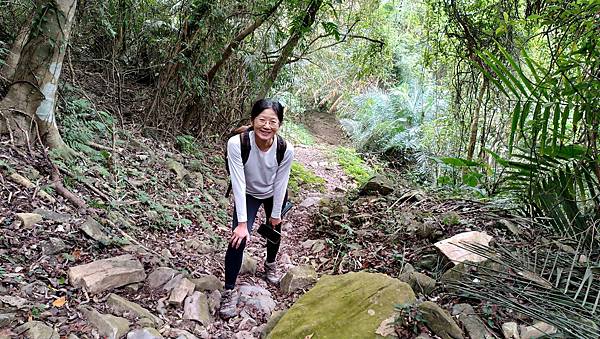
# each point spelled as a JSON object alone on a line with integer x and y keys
{"x": 352, "y": 305}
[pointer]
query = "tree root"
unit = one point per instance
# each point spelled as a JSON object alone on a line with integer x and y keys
{"x": 58, "y": 186}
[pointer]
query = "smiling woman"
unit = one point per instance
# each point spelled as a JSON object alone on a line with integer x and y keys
{"x": 259, "y": 163}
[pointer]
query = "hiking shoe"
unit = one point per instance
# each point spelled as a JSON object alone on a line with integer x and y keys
{"x": 271, "y": 273}
{"x": 229, "y": 301}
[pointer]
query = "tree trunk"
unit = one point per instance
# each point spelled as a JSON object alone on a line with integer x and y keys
{"x": 28, "y": 110}
{"x": 475, "y": 121}
{"x": 210, "y": 75}
{"x": 12, "y": 59}
{"x": 307, "y": 22}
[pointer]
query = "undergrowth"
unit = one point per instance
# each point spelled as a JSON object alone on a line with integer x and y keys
{"x": 300, "y": 176}
{"x": 297, "y": 134}
{"x": 352, "y": 164}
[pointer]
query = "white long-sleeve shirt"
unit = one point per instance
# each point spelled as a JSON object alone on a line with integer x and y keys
{"x": 260, "y": 177}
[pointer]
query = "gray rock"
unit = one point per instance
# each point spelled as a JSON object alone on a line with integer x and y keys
{"x": 208, "y": 283}
{"x": 35, "y": 289}
{"x": 297, "y": 278}
{"x": 214, "y": 301}
{"x": 428, "y": 261}
{"x": 439, "y": 321}
{"x": 15, "y": 301}
{"x": 94, "y": 230}
{"x": 315, "y": 246}
{"x": 160, "y": 276}
{"x": 29, "y": 219}
{"x": 510, "y": 226}
{"x": 198, "y": 246}
{"x": 180, "y": 291}
{"x": 144, "y": 333}
{"x": 429, "y": 229}
{"x": 195, "y": 180}
{"x": 53, "y": 246}
{"x": 256, "y": 301}
{"x": 37, "y": 330}
{"x": 473, "y": 325}
{"x": 310, "y": 201}
{"x": 119, "y": 304}
{"x": 510, "y": 330}
{"x": 181, "y": 334}
{"x": 196, "y": 308}
{"x": 176, "y": 168}
{"x": 107, "y": 324}
{"x": 248, "y": 265}
{"x": 6, "y": 319}
{"x": 537, "y": 330}
{"x": 101, "y": 275}
{"x": 54, "y": 216}
{"x": 419, "y": 282}
{"x": 166, "y": 254}
{"x": 270, "y": 325}
{"x": 174, "y": 282}
{"x": 377, "y": 185}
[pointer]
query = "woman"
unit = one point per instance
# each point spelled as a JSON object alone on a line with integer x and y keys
{"x": 261, "y": 180}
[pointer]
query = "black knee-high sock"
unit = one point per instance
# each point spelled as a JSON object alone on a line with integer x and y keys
{"x": 233, "y": 263}
{"x": 272, "y": 248}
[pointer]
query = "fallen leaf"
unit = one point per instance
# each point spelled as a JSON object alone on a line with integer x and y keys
{"x": 60, "y": 302}
{"x": 76, "y": 254}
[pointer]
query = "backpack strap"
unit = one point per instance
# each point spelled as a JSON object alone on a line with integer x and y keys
{"x": 245, "y": 145}
{"x": 281, "y": 148}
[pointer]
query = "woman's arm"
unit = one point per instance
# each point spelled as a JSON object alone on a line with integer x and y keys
{"x": 281, "y": 181}
{"x": 237, "y": 177}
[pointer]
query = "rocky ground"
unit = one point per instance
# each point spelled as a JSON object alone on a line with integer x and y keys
{"x": 129, "y": 240}
{"x": 151, "y": 229}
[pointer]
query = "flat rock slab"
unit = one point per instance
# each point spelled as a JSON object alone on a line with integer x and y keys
{"x": 180, "y": 291}
{"x": 160, "y": 276}
{"x": 108, "y": 325}
{"x": 54, "y": 216}
{"x": 15, "y": 301}
{"x": 29, "y": 219}
{"x": 37, "y": 330}
{"x": 144, "y": 333}
{"x": 297, "y": 278}
{"x": 538, "y": 330}
{"x": 351, "y": 305}
{"x": 248, "y": 265}
{"x": 94, "y": 230}
{"x": 196, "y": 308}
{"x": 439, "y": 321}
{"x": 119, "y": 304}
{"x": 208, "y": 283}
{"x": 105, "y": 274}
{"x": 6, "y": 319}
{"x": 256, "y": 301}
{"x": 452, "y": 248}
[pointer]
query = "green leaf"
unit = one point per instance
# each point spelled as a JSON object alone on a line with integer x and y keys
{"x": 545, "y": 121}
{"x": 459, "y": 162}
{"x": 513, "y": 127}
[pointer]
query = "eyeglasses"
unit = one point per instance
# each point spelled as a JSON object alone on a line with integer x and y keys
{"x": 262, "y": 122}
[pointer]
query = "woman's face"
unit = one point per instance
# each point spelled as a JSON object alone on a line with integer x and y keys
{"x": 265, "y": 125}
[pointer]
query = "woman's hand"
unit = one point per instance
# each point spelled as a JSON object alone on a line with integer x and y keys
{"x": 239, "y": 233}
{"x": 275, "y": 222}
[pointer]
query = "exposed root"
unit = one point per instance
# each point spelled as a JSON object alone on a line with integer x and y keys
{"x": 58, "y": 186}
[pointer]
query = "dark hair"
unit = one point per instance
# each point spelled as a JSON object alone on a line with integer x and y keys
{"x": 264, "y": 104}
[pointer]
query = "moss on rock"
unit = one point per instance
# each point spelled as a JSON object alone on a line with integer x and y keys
{"x": 352, "y": 305}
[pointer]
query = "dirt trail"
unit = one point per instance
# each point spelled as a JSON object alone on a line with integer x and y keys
{"x": 295, "y": 249}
